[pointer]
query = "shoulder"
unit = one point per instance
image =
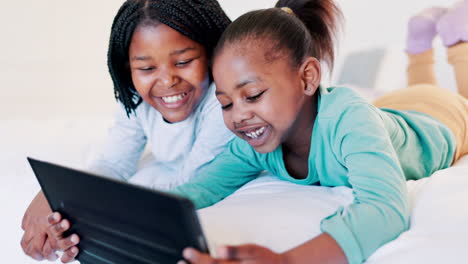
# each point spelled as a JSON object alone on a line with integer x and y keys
{"x": 336, "y": 101}
{"x": 342, "y": 110}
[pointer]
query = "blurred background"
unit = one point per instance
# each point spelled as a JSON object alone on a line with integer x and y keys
{"x": 53, "y": 52}
{"x": 56, "y": 95}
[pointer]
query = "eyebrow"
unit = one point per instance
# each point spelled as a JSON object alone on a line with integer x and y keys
{"x": 140, "y": 58}
{"x": 242, "y": 84}
{"x": 176, "y": 52}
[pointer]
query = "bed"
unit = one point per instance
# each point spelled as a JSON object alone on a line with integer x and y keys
{"x": 281, "y": 215}
{"x": 272, "y": 213}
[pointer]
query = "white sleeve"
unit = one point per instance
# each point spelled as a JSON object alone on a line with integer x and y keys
{"x": 212, "y": 139}
{"x": 118, "y": 156}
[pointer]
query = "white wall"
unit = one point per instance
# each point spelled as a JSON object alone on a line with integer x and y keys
{"x": 53, "y": 52}
{"x": 54, "y": 57}
{"x": 53, "y": 65}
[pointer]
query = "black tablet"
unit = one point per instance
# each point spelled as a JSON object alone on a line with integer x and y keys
{"x": 118, "y": 222}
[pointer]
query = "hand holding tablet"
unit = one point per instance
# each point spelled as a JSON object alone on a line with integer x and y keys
{"x": 118, "y": 222}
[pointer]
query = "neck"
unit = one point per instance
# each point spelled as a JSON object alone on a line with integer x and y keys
{"x": 298, "y": 141}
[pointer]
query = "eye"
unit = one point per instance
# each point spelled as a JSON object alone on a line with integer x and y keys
{"x": 183, "y": 63}
{"x": 146, "y": 69}
{"x": 226, "y": 107}
{"x": 255, "y": 97}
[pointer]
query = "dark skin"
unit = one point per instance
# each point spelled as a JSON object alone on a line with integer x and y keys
{"x": 35, "y": 229}
{"x": 170, "y": 73}
{"x": 271, "y": 84}
{"x": 40, "y": 241}
{"x": 250, "y": 92}
{"x": 322, "y": 249}
{"x": 166, "y": 65}
{"x": 296, "y": 150}
{"x": 44, "y": 233}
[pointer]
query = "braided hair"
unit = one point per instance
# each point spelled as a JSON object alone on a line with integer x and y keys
{"x": 200, "y": 20}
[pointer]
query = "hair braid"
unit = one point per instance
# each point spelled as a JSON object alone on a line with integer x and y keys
{"x": 118, "y": 56}
{"x": 200, "y": 20}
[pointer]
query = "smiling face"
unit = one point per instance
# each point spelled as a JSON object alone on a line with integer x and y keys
{"x": 169, "y": 70}
{"x": 263, "y": 100}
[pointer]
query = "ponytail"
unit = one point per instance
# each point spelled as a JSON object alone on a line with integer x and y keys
{"x": 301, "y": 27}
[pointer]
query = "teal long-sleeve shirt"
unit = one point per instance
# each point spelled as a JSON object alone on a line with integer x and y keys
{"x": 373, "y": 151}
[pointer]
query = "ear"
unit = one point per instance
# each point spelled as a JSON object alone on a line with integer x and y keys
{"x": 311, "y": 75}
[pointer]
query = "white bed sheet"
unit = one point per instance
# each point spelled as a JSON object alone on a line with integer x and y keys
{"x": 281, "y": 215}
{"x": 273, "y": 213}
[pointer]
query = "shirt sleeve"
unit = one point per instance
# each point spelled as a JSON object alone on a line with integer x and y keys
{"x": 212, "y": 138}
{"x": 380, "y": 210}
{"x": 118, "y": 156}
{"x": 221, "y": 177}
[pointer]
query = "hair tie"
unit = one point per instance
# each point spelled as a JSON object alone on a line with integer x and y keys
{"x": 287, "y": 10}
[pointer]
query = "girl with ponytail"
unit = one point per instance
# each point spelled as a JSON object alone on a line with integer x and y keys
{"x": 267, "y": 68}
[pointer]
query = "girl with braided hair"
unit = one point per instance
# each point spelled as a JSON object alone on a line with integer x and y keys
{"x": 158, "y": 58}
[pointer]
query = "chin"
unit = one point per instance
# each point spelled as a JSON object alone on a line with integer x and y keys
{"x": 267, "y": 148}
{"x": 174, "y": 118}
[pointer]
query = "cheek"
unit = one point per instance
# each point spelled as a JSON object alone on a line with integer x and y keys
{"x": 281, "y": 112}
{"x": 197, "y": 74}
{"x": 141, "y": 83}
{"x": 269, "y": 110}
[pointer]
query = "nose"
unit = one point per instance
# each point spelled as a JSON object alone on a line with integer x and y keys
{"x": 240, "y": 114}
{"x": 166, "y": 78}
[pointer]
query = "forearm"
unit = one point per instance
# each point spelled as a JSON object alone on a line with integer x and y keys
{"x": 107, "y": 169}
{"x": 225, "y": 174}
{"x": 210, "y": 188}
{"x": 322, "y": 249}
{"x": 380, "y": 211}
{"x": 118, "y": 154}
{"x": 200, "y": 195}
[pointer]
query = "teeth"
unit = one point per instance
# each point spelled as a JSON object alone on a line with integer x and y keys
{"x": 256, "y": 133}
{"x": 174, "y": 99}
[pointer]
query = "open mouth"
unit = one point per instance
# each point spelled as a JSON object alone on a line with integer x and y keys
{"x": 255, "y": 133}
{"x": 257, "y": 136}
{"x": 174, "y": 101}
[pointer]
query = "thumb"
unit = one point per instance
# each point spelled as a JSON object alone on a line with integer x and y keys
{"x": 247, "y": 251}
